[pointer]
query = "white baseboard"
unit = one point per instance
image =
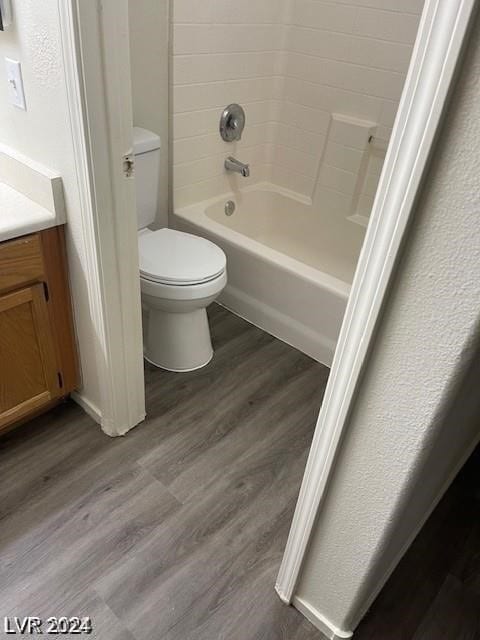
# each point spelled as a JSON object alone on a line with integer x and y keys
{"x": 284, "y": 327}
{"x": 92, "y": 410}
{"x": 318, "y": 620}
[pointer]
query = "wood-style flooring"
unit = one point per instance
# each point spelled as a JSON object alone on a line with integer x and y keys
{"x": 176, "y": 531}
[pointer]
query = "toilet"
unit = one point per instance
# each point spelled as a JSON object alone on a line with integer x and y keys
{"x": 180, "y": 274}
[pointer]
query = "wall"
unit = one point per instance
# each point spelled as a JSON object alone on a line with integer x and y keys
{"x": 291, "y": 64}
{"x": 341, "y": 57}
{"x": 43, "y": 133}
{"x": 222, "y": 53}
{"x": 416, "y": 415}
{"x": 149, "y": 49}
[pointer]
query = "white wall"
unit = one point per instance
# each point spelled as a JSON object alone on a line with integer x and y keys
{"x": 43, "y": 133}
{"x": 291, "y": 64}
{"x": 345, "y": 57}
{"x": 417, "y": 411}
{"x": 149, "y": 52}
{"x": 222, "y": 53}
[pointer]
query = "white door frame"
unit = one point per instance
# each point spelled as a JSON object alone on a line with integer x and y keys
{"x": 97, "y": 69}
{"x": 442, "y": 32}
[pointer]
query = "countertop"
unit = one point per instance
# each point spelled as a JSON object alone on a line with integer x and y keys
{"x": 31, "y": 196}
{"x": 19, "y": 215}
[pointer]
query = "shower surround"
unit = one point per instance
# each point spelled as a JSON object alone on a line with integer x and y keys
{"x": 320, "y": 83}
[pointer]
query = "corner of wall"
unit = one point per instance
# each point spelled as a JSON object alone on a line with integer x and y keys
{"x": 322, "y": 623}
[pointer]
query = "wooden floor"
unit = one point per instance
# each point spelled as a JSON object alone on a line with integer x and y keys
{"x": 176, "y": 531}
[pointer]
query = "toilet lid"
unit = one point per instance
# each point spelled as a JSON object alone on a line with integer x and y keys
{"x": 174, "y": 257}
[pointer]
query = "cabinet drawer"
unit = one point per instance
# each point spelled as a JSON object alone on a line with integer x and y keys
{"x": 21, "y": 262}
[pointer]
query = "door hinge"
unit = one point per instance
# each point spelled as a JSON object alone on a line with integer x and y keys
{"x": 129, "y": 165}
{"x": 46, "y": 293}
{"x": 60, "y": 379}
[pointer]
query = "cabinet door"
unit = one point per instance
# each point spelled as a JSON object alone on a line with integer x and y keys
{"x": 28, "y": 369}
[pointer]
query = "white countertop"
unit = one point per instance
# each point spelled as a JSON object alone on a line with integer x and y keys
{"x": 19, "y": 215}
{"x": 31, "y": 196}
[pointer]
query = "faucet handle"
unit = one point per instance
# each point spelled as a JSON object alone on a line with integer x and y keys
{"x": 232, "y": 122}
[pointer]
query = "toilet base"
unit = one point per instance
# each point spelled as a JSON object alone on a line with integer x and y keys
{"x": 178, "y": 341}
{"x": 200, "y": 366}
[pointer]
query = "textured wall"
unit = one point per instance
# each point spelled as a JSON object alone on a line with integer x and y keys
{"x": 149, "y": 30}
{"x": 291, "y": 63}
{"x": 417, "y": 410}
{"x": 43, "y": 133}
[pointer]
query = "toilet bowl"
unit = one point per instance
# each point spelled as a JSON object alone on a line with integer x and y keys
{"x": 180, "y": 274}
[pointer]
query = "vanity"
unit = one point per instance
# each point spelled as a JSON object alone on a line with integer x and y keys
{"x": 38, "y": 359}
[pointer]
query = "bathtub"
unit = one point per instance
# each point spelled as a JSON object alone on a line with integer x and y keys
{"x": 290, "y": 266}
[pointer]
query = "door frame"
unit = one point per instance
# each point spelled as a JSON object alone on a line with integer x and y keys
{"x": 442, "y": 33}
{"x": 97, "y": 73}
{"x": 92, "y": 91}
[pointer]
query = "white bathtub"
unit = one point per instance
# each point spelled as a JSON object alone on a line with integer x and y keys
{"x": 289, "y": 266}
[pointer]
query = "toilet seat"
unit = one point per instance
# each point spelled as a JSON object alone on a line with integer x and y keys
{"x": 170, "y": 257}
{"x": 183, "y": 292}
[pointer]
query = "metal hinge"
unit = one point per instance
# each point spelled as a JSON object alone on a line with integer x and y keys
{"x": 129, "y": 165}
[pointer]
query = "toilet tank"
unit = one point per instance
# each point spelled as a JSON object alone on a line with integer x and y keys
{"x": 146, "y": 148}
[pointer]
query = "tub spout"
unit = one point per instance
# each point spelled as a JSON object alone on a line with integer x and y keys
{"x": 232, "y": 164}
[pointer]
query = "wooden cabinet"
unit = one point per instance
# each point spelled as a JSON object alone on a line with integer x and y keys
{"x": 38, "y": 363}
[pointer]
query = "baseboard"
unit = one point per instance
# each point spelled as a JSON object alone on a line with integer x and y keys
{"x": 319, "y": 621}
{"x": 111, "y": 429}
{"x": 281, "y": 326}
{"x": 92, "y": 410}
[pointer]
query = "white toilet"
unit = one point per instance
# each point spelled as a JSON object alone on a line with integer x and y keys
{"x": 180, "y": 275}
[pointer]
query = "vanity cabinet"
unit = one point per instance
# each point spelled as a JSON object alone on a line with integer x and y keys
{"x": 38, "y": 361}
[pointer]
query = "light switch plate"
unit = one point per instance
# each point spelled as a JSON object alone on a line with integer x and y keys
{"x": 15, "y": 83}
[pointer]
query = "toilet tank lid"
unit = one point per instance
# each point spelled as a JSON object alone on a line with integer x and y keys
{"x": 145, "y": 140}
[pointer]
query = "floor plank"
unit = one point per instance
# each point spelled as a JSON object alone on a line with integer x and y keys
{"x": 455, "y": 613}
